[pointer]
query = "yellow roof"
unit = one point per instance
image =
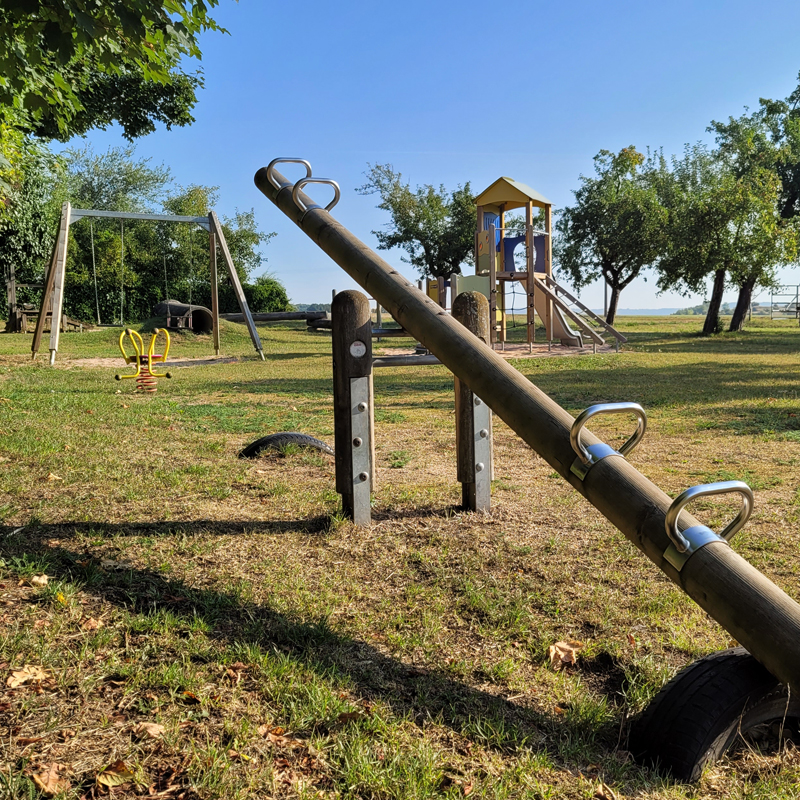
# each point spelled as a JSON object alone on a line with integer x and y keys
{"x": 512, "y": 194}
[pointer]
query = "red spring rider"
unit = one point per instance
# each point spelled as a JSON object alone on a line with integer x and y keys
{"x": 145, "y": 377}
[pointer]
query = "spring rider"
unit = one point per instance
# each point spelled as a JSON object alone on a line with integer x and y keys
{"x": 145, "y": 377}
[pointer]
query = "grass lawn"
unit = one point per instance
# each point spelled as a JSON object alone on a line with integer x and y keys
{"x": 210, "y": 626}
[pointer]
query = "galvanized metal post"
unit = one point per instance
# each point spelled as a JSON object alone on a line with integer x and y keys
{"x": 473, "y": 416}
{"x": 353, "y": 404}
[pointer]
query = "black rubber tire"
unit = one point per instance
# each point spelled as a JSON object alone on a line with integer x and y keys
{"x": 275, "y": 441}
{"x": 700, "y": 713}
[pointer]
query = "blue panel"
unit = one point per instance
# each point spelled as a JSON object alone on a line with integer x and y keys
{"x": 538, "y": 249}
{"x": 509, "y": 245}
{"x": 492, "y": 219}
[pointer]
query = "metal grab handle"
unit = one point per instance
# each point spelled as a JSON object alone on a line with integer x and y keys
{"x": 271, "y": 165}
{"x": 707, "y": 490}
{"x": 607, "y": 408}
{"x": 303, "y": 181}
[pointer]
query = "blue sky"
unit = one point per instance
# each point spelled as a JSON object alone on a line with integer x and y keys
{"x": 452, "y": 92}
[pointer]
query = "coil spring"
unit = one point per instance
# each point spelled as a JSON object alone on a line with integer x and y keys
{"x": 146, "y": 381}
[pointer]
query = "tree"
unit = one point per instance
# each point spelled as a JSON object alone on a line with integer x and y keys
{"x": 436, "y": 228}
{"x": 770, "y": 236}
{"x": 782, "y": 118}
{"x": 615, "y": 228}
{"x": 27, "y": 229}
{"x": 121, "y": 269}
{"x": 723, "y": 222}
{"x": 56, "y": 57}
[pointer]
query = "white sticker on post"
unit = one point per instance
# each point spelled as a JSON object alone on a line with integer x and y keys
{"x": 358, "y": 349}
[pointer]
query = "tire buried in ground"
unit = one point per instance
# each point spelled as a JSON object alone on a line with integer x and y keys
{"x": 706, "y": 708}
{"x": 279, "y": 441}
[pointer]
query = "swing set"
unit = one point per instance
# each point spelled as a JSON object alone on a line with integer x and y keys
{"x": 53, "y": 295}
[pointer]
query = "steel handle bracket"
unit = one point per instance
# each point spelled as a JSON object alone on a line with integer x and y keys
{"x": 303, "y": 181}
{"x": 271, "y": 166}
{"x": 589, "y": 455}
{"x": 684, "y": 543}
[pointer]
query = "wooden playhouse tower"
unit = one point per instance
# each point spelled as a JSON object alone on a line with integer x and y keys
{"x": 495, "y": 269}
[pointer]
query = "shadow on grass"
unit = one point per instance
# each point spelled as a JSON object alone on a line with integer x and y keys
{"x": 418, "y": 693}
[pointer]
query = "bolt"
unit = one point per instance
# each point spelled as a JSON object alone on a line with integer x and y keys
{"x": 357, "y": 442}
{"x": 483, "y": 433}
{"x": 479, "y": 467}
{"x": 362, "y": 406}
{"x": 477, "y": 401}
{"x": 363, "y": 476}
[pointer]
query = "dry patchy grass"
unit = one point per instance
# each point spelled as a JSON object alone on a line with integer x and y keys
{"x": 286, "y": 653}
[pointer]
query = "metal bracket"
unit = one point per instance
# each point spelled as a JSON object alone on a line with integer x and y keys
{"x": 482, "y": 451}
{"x": 589, "y": 455}
{"x": 692, "y": 539}
{"x": 303, "y": 181}
{"x": 360, "y": 417}
{"x": 271, "y": 175}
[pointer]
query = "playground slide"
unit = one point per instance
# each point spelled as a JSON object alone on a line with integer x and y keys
{"x": 561, "y": 328}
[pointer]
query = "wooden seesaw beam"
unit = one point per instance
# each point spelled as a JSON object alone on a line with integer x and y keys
{"x": 758, "y": 614}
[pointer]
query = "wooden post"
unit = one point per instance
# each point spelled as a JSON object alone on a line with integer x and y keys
{"x": 441, "y": 292}
{"x": 215, "y": 227}
{"x": 47, "y": 292}
{"x": 530, "y": 278}
{"x": 492, "y": 287}
{"x": 473, "y": 417}
{"x": 353, "y": 412}
{"x": 212, "y": 262}
{"x": 548, "y": 265}
{"x": 57, "y": 308}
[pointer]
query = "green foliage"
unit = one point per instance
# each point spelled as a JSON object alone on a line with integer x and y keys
{"x": 700, "y": 310}
{"x": 435, "y": 228}
{"x": 615, "y": 229}
{"x": 27, "y": 228}
{"x": 121, "y": 269}
{"x": 266, "y": 293}
{"x": 723, "y": 219}
{"x": 63, "y": 61}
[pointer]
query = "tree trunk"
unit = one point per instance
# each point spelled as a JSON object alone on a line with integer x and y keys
{"x": 712, "y": 316}
{"x": 742, "y": 305}
{"x": 612, "y": 304}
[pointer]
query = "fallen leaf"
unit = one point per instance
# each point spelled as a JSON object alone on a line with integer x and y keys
{"x": 49, "y": 782}
{"x": 632, "y": 640}
{"x": 41, "y": 623}
{"x": 51, "y": 476}
{"x": 604, "y": 792}
{"x": 125, "y": 405}
{"x": 23, "y": 740}
{"x": 148, "y": 730}
{"x": 114, "y": 775}
{"x": 91, "y": 624}
{"x": 190, "y": 699}
{"x": 564, "y": 653}
{"x": 67, "y": 447}
{"x": 39, "y": 580}
{"x": 28, "y": 674}
{"x": 350, "y": 716}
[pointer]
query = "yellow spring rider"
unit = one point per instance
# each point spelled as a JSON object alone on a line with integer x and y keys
{"x": 145, "y": 377}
